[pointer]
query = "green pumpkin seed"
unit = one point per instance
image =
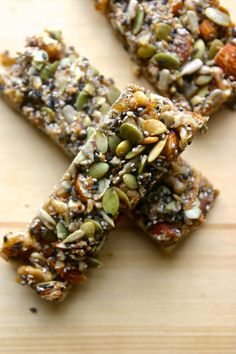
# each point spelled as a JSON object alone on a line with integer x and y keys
{"x": 98, "y": 170}
{"x": 110, "y": 202}
{"x": 89, "y": 228}
{"x": 135, "y": 152}
{"x": 199, "y": 49}
{"x": 81, "y": 100}
{"x": 87, "y": 122}
{"x": 130, "y": 181}
{"x": 97, "y": 226}
{"x": 94, "y": 262}
{"x": 142, "y": 164}
{"x": 62, "y": 231}
{"x": 203, "y": 80}
{"x": 123, "y": 148}
{"x": 146, "y": 51}
{"x": 90, "y": 89}
{"x": 101, "y": 142}
{"x": 163, "y": 31}
{"x": 215, "y": 46}
{"x": 167, "y": 60}
{"x": 113, "y": 94}
{"x": 217, "y": 16}
{"x": 49, "y": 112}
{"x": 113, "y": 142}
{"x": 49, "y": 236}
{"x": 122, "y": 195}
{"x": 139, "y": 18}
{"x": 104, "y": 108}
{"x": 131, "y": 132}
{"x": 156, "y": 151}
{"x": 48, "y": 70}
{"x": 90, "y": 132}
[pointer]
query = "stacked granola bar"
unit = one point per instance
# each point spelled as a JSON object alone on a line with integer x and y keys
{"x": 69, "y": 114}
{"x": 63, "y": 240}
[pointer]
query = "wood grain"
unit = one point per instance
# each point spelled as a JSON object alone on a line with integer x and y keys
{"x": 141, "y": 301}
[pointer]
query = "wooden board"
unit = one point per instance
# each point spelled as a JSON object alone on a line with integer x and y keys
{"x": 140, "y": 302}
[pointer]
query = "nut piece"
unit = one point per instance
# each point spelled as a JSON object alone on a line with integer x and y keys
{"x": 208, "y": 30}
{"x": 226, "y": 59}
{"x": 171, "y": 147}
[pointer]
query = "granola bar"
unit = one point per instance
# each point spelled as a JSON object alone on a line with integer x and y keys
{"x": 68, "y": 130}
{"x": 57, "y": 89}
{"x": 63, "y": 240}
{"x": 185, "y": 48}
{"x": 178, "y": 205}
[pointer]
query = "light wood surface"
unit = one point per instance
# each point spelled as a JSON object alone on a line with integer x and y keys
{"x": 140, "y": 302}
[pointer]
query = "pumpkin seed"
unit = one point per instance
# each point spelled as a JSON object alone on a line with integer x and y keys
{"x": 135, "y": 152}
{"x": 49, "y": 236}
{"x": 167, "y": 60}
{"x": 142, "y": 164}
{"x": 110, "y": 202}
{"x": 90, "y": 89}
{"x": 94, "y": 262}
{"x": 104, "y": 108}
{"x": 154, "y": 127}
{"x": 98, "y": 169}
{"x": 101, "y": 142}
{"x": 113, "y": 94}
{"x": 48, "y": 70}
{"x": 156, "y": 151}
{"x": 89, "y": 228}
{"x": 215, "y": 46}
{"x": 90, "y": 132}
{"x": 113, "y": 142}
{"x": 56, "y": 34}
{"x": 123, "y": 196}
{"x": 131, "y": 132}
{"x": 203, "y": 80}
{"x": 218, "y": 17}
{"x": 191, "y": 67}
{"x": 130, "y": 181}
{"x": 146, "y": 51}
{"x": 123, "y": 148}
{"x": 199, "y": 49}
{"x": 62, "y": 231}
{"x": 81, "y": 100}
{"x": 87, "y": 122}
{"x": 49, "y": 112}
{"x": 98, "y": 228}
{"x": 139, "y": 18}
{"x": 163, "y": 31}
